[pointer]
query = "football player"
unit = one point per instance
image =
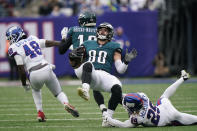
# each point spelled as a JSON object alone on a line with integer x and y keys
{"x": 74, "y": 37}
{"x": 143, "y": 112}
{"x": 29, "y": 57}
{"x": 95, "y": 73}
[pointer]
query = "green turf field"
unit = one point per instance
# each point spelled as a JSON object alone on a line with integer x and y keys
{"x": 18, "y": 113}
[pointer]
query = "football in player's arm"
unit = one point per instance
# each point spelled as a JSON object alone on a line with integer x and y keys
{"x": 143, "y": 112}
{"x": 28, "y": 56}
{"x": 100, "y": 55}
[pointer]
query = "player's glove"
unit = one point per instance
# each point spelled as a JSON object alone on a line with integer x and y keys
{"x": 27, "y": 87}
{"x": 77, "y": 56}
{"x": 130, "y": 55}
{"x": 64, "y": 32}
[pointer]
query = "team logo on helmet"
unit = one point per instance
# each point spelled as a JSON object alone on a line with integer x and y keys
{"x": 14, "y": 34}
{"x": 87, "y": 18}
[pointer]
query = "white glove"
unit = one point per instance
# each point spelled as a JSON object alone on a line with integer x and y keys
{"x": 52, "y": 66}
{"x": 64, "y": 32}
{"x": 27, "y": 87}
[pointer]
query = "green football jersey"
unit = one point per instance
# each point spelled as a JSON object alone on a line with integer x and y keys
{"x": 81, "y": 34}
{"x": 102, "y": 56}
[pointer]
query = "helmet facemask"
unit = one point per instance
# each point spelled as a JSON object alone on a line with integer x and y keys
{"x": 14, "y": 34}
{"x": 131, "y": 104}
{"x": 110, "y": 34}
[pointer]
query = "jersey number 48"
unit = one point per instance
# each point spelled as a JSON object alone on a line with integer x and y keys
{"x": 33, "y": 51}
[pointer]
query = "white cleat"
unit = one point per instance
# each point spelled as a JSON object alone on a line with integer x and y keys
{"x": 83, "y": 93}
{"x": 185, "y": 75}
{"x": 105, "y": 123}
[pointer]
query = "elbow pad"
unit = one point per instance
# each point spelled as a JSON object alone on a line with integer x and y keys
{"x": 120, "y": 66}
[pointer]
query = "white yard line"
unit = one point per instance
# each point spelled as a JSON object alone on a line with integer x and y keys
{"x": 10, "y": 127}
{"x": 55, "y": 114}
{"x": 74, "y": 119}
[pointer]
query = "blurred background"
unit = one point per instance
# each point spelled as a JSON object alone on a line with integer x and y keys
{"x": 163, "y": 31}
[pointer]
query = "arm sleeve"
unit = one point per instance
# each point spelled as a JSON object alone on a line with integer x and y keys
{"x": 65, "y": 44}
{"x": 42, "y": 43}
{"x": 120, "y": 66}
{"x": 117, "y": 123}
{"x": 19, "y": 60}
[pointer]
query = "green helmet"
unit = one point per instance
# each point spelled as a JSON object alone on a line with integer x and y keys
{"x": 87, "y": 18}
{"x": 109, "y": 27}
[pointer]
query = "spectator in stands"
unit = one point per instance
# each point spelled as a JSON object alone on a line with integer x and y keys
{"x": 56, "y": 11}
{"x": 124, "y": 6}
{"x": 161, "y": 70}
{"x": 136, "y": 5}
{"x": 156, "y": 4}
{"x": 45, "y": 9}
{"x": 121, "y": 38}
{"x": 5, "y": 9}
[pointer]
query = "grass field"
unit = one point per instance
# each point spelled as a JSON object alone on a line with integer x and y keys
{"x": 18, "y": 113}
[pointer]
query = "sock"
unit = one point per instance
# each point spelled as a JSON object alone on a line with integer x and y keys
{"x": 62, "y": 98}
{"x": 37, "y": 96}
{"x": 86, "y": 86}
{"x": 172, "y": 89}
{"x": 103, "y": 107}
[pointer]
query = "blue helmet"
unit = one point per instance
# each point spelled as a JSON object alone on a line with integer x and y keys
{"x": 14, "y": 34}
{"x": 132, "y": 102}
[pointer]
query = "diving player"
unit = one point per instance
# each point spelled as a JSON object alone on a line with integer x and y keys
{"x": 143, "y": 112}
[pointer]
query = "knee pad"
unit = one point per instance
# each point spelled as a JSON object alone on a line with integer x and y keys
{"x": 87, "y": 67}
{"x": 116, "y": 90}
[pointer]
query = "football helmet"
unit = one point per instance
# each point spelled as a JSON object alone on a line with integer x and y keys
{"x": 14, "y": 34}
{"x": 87, "y": 18}
{"x": 110, "y": 29}
{"x": 132, "y": 102}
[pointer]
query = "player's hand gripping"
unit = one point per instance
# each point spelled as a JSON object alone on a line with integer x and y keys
{"x": 64, "y": 32}
{"x": 130, "y": 55}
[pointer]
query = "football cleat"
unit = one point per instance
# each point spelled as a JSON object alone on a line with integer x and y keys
{"x": 41, "y": 117}
{"x": 105, "y": 123}
{"x": 185, "y": 75}
{"x": 71, "y": 109}
{"x": 82, "y": 92}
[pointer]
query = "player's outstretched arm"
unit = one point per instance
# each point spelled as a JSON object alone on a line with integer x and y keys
{"x": 65, "y": 44}
{"x": 117, "y": 123}
{"x": 49, "y": 43}
{"x": 121, "y": 67}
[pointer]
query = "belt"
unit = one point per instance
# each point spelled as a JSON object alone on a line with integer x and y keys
{"x": 37, "y": 67}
